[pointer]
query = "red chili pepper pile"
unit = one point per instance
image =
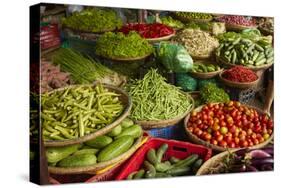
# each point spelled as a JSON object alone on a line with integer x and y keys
{"x": 240, "y": 74}
{"x": 237, "y": 20}
{"x": 154, "y": 30}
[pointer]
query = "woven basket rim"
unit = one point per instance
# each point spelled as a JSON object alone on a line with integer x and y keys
{"x": 91, "y": 169}
{"x": 238, "y": 27}
{"x": 168, "y": 122}
{"x": 100, "y": 132}
{"x": 205, "y": 75}
{"x": 183, "y": 19}
{"x": 197, "y": 140}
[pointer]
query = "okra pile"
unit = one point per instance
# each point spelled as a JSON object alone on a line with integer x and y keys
{"x": 243, "y": 51}
{"x": 155, "y": 166}
{"x": 78, "y": 111}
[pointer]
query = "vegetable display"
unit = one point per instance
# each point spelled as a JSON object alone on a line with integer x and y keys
{"x": 194, "y": 15}
{"x": 267, "y": 25}
{"x": 197, "y": 42}
{"x": 52, "y": 77}
{"x": 169, "y": 21}
{"x": 246, "y": 160}
{"x": 230, "y": 125}
{"x": 155, "y": 166}
{"x": 148, "y": 31}
{"x": 210, "y": 93}
{"x": 78, "y": 111}
{"x": 85, "y": 70}
{"x": 215, "y": 28}
{"x": 239, "y": 50}
{"x": 154, "y": 99}
{"x": 119, "y": 45}
{"x": 205, "y": 67}
{"x": 186, "y": 82}
{"x": 93, "y": 20}
{"x": 237, "y": 20}
{"x": 100, "y": 149}
{"x": 240, "y": 74}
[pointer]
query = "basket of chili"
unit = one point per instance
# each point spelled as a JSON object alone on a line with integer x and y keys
{"x": 239, "y": 77}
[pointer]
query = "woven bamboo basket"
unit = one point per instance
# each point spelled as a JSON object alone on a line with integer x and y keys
{"x": 254, "y": 68}
{"x": 197, "y": 140}
{"x": 184, "y": 19}
{"x": 124, "y": 98}
{"x": 206, "y": 75}
{"x": 93, "y": 169}
{"x": 240, "y": 85}
{"x": 169, "y": 122}
{"x": 234, "y": 27}
{"x": 154, "y": 40}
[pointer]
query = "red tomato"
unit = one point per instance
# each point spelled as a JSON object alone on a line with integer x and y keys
{"x": 232, "y": 145}
{"x": 250, "y": 143}
{"x": 219, "y": 138}
{"x": 237, "y": 104}
{"x": 222, "y": 123}
{"x": 228, "y": 139}
{"x": 256, "y": 141}
{"x": 251, "y": 125}
{"x": 236, "y": 140}
{"x": 216, "y": 127}
{"x": 223, "y": 143}
{"x": 191, "y": 129}
{"x": 207, "y": 136}
{"x": 269, "y": 131}
{"x": 254, "y": 136}
{"x": 261, "y": 139}
{"x": 215, "y": 142}
{"x": 198, "y": 132}
{"x": 249, "y": 132}
{"x": 242, "y": 137}
{"x": 211, "y": 122}
{"x": 216, "y": 133}
{"x": 244, "y": 143}
{"x": 230, "y": 103}
{"x": 216, "y": 106}
{"x": 257, "y": 129}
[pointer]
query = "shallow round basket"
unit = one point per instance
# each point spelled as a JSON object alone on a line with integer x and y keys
{"x": 240, "y": 85}
{"x": 234, "y": 27}
{"x": 197, "y": 140}
{"x": 254, "y": 68}
{"x": 92, "y": 169}
{"x": 120, "y": 59}
{"x": 154, "y": 40}
{"x": 213, "y": 162}
{"x": 168, "y": 122}
{"x": 206, "y": 75}
{"x": 201, "y": 57}
{"x": 124, "y": 98}
{"x": 184, "y": 19}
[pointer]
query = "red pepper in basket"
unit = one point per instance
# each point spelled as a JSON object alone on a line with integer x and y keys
{"x": 240, "y": 74}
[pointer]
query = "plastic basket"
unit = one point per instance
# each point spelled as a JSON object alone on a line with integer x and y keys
{"x": 242, "y": 95}
{"x": 171, "y": 132}
{"x": 176, "y": 148}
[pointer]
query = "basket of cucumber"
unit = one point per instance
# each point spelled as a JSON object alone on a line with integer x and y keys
{"x": 205, "y": 70}
{"x": 159, "y": 158}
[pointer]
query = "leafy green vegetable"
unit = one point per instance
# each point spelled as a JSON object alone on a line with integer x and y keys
{"x": 93, "y": 20}
{"x": 186, "y": 82}
{"x": 169, "y": 21}
{"x": 210, "y": 93}
{"x": 122, "y": 46}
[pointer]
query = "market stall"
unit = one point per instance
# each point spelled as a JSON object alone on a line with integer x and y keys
{"x": 132, "y": 94}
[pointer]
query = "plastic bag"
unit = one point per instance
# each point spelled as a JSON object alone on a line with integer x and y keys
{"x": 174, "y": 57}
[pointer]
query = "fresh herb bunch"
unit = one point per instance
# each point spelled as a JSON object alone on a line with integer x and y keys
{"x": 118, "y": 45}
{"x": 93, "y": 20}
{"x": 210, "y": 93}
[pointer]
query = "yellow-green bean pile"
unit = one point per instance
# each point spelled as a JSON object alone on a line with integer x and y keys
{"x": 75, "y": 112}
{"x": 154, "y": 99}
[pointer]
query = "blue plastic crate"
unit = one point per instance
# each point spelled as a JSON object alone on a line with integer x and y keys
{"x": 171, "y": 132}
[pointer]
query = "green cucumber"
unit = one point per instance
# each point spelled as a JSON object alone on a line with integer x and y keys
{"x": 151, "y": 172}
{"x": 174, "y": 160}
{"x": 90, "y": 151}
{"x": 85, "y": 159}
{"x": 131, "y": 175}
{"x": 178, "y": 171}
{"x": 151, "y": 156}
{"x": 116, "y": 148}
{"x": 139, "y": 174}
{"x": 197, "y": 164}
{"x": 126, "y": 123}
{"x": 259, "y": 48}
{"x": 115, "y": 131}
{"x": 134, "y": 131}
{"x": 187, "y": 161}
{"x": 260, "y": 62}
{"x": 161, "y": 151}
{"x": 99, "y": 142}
{"x": 55, "y": 154}
{"x": 162, "y": 175}
{"x": 162, "y": 167}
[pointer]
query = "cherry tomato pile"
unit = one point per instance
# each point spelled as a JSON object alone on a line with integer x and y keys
{"x": 230, "y": 125}
{"x": 155, "y": 30}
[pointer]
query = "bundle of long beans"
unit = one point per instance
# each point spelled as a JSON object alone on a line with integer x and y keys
{"x": 83, "y": 70}
{"x": 154, "y": 99}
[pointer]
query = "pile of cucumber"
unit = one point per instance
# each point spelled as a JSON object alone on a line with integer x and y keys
{"x": 100, "y": 149}
{"x": 205, "y": 68}
{"x": 155, "y": 167}
{"x": 241, "y": 51}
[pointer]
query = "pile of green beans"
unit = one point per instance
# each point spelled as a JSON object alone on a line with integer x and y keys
{"x": 242, "y": 51}
{"x": 75, "y": 112}
{"x": 154, "y": 99}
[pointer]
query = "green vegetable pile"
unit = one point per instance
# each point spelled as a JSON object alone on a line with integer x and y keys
{"x": 155, "y": 166}
{"x": 194, "y": 15}
{"x": 85, "y": 70}
{"x": 186, "y": 82}
{"x": 205, "y": 68}
{"x": 102, "y": 148}
{"x": 247, "y": 48}
{"x": 118, "y": 45}
{"x": 169, "y": 21}
{"x": 93, "y": 20}
{"x": 210, "y": 93}
{"x": 154, "y": 99}
{"x": 76, "y": 112}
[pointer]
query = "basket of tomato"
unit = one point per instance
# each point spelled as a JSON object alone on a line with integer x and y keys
{"x": 231, "y": 125}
